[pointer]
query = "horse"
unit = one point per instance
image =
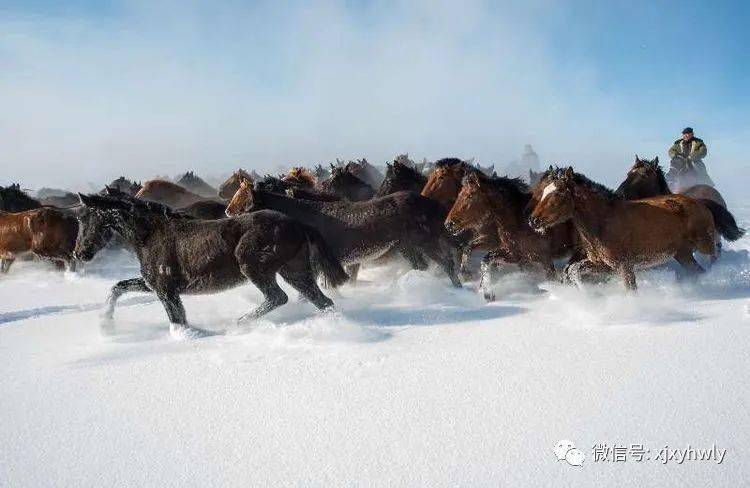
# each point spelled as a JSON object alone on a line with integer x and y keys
{"x": 231, "y": 184}
{"x": 45, "y": 232}
{"x": 291, "y": 188}
{"x": 197, "y": 185}
{"x": 68, "y": 199}
{"x": 620, "y": 235}
{"x": 365, "y": 171}
{"x": 500, "y": 204}
{"x": 535, "y": 177}
{"x": 443, "y": 186}
{"x": 646, "y": 179}
{"x": 344, "y": 183}
{"x": 13, "y": 199}
{"x": 401, "y": 177}
{"x": 123, "y": 184}
{"x": 168, "y": 193}
{"x": 301, "y": 177}
{"x": 203, "y": 209}
{"x": 362, "y": 231}
{"x": 181, "y": 255}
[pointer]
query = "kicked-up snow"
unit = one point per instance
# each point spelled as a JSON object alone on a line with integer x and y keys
{"x": 409, "y": 383}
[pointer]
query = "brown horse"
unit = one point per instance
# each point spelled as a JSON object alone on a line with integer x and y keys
{"x": 646, "y": 179}
{"x": 502, "y": 203}
{"x": 168, "y": 193}
{"x": 301, "y": 177}
{"x": 443, "y": 185}
{"x": 44, "y": 232}
{"x": 622, "y": 235}
{"x": 232, "y": 184}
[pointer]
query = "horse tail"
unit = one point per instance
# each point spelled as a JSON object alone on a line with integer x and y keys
{"x": 323, "y": 259}
{"x": 724, "y": 220}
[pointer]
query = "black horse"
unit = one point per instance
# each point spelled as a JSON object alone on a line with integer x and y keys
{"x": 281, "y": 186}
{"x": 401, "y": 177}
{"x": 362, "y": 231}
{"x": 181, "y": 255}
{"x": 13, "y": 199}
{"x": 344, "y": 183}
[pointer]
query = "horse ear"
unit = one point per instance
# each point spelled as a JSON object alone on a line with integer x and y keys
{"x": 637, "y": 158}
{"x": 569, "y": 173}
{"x": 655, "y": 162}
{"x": 85, "y": 200}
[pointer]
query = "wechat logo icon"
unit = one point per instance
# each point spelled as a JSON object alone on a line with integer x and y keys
{"x": 566, "y": 450}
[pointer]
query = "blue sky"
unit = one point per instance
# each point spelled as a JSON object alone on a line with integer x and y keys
{"x": 157, "y": 87}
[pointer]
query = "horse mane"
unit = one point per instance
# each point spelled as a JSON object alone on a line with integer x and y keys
{"x": 662, "y": 180}
{"x": 449, "y": 163}
{"x": 128, "y": 203}
{"x": 516, "y": 189}
{"x": 583, "y": 180}
{"x": 403, "y": 168}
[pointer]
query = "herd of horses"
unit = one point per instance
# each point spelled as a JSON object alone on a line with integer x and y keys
{"x": 320, "y": 225}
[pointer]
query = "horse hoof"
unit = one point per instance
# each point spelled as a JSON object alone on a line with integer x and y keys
{"x": 489, "y": 296}
{"x": 184, "y": 332}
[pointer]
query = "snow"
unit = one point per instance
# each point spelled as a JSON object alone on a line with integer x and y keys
{"x": 409, "y": 383}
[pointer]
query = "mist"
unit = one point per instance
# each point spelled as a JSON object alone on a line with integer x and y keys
{"x": 139, "y": 90}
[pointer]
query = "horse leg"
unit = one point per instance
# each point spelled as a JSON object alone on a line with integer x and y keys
{"x": 121, "y": 287}
{"x": 628, "y": 277}
{"x": 265, "y": 281}
{"x": 352, "y": 270}
{"x": 576, "y": 272}
{"x": 488, "y": 271}
{"x": 689, "y": 264}
{"x": 300, "y": 275}
{"x": 446, "y": 255}
{"x": 178, "y": 325}
{"x": 72, "y": 265}
{"x": 5, "y": 264}
{"x": 415, "y": 258}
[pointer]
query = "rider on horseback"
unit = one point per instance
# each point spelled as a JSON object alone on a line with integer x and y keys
{"x": 687, "y": 155}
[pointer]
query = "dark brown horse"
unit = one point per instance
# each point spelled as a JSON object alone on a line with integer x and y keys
{"x": 401, "y": 177}
{"x": 181, "y": 255}
{"x": 14, "y": 199}
{"x": 363, "y": 231}
{"x": 347, "y": 185}
{"x": 365, "y": 171}
{"x": 125, "y": 185}
{"x": 45, "y": 232}
{"x": 620, "y": 235}
{"x": 168, "y": 193}
{"x": 501, "y": 204}
{"x": 646, "y": 179}
{"x": 443, "y": 185}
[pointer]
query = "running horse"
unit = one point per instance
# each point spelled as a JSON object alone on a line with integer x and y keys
{"x": 620, "y": 235}
{"x": 44, "y": 232}
{"x": 646, "y": 179}
{"x": 500, "y": 204}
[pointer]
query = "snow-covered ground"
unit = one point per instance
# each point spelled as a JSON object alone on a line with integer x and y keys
{"x": 410, "y": 383}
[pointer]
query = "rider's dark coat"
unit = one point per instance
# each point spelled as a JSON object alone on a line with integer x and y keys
{"x": 695, "y": 150}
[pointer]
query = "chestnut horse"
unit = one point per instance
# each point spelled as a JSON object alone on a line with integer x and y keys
{"x": 646, "y": 179}
{"x": 167, "y": 193}
{"x": 301, "y": 177}
{"x": 44, "y": 232}
{"x": 230, "y": 186}
{"x": 443, "y": 185}
{"x": 502, "y": 203}
{"x": 622, "y": 235}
